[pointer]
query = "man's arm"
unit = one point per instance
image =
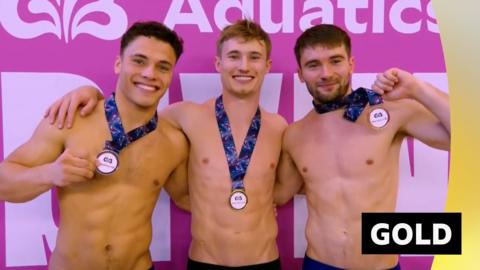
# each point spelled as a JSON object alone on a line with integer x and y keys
{"x": 288, "y": 181}
{"x": 179, "y": 114}
{"x": 177, "y": 187}
{"x": 39, "y": 164}
{"x": 84, "y": 97}
{"x": 177, "y": 184}
{"x": 429, "y": 117}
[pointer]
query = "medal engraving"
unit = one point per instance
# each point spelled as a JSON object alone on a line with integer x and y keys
{"x": 379, "y": 117}
{"x": 238, "y": 199}
{"x": 108, "y": 162}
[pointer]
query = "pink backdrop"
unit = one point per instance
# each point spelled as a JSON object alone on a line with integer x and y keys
{"x": 50, "y": 46}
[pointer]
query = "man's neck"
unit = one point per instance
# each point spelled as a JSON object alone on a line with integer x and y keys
{"x": 132, "y": 115}
{"x": 240, "y": 109}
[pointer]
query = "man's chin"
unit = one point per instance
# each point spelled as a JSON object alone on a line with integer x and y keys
{"x": 328, "y": 99}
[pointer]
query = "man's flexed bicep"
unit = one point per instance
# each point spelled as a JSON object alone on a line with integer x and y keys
{"x": 426, "y": 108}
{"x": 426, "y": 127}
{"x": 41, "y": 163}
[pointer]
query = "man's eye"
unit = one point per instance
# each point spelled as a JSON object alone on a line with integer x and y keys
{"x": 164, "y": 68}
{"x": 336, "y": 61}
{"x": 138, "y": 61}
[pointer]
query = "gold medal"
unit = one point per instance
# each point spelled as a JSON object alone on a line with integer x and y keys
{"x": 238, "y": 199}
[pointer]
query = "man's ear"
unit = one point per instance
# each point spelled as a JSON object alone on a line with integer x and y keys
{"x": 118, "y": 64}
{"x": 300, "y": 75}
{"x": 351, "y": 63}
{"x": 269, "y": 64}
{"x": 217, "y": 63}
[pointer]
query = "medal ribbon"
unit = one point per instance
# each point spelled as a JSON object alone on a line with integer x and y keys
{"x": 355, "y": 103}
{"x": 237, "y": 165}
{"x": 121, "y": 140}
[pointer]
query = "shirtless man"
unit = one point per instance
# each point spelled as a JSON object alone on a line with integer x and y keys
{"x": 223, "y": 236}
{"x": 105, "y": 210}
{"x": 350, "y": 166}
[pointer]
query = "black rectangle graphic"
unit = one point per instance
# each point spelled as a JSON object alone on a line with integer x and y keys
{"x": 411, "y": 233}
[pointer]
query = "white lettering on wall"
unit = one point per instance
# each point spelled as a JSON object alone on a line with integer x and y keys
{"x": 197, "y": 17}
{"x": 351, "y": 22}
{"x": 220, "y": 13}
{"x": 396, "y": 16}
{"x": 313, "y": 12}
{"x": 266, "y": 20}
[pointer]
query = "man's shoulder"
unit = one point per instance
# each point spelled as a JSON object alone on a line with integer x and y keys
{"x": 94, "y": 117}
{"x": 170, "y": 132}
{"x": 183, "y": 109}
{"x": 295, "y": 130}
{"x": 167, "y": 128}
{"x": 300, "y": 123}
{"x": 275, "y": 120}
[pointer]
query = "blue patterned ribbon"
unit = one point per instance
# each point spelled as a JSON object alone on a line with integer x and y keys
{"x": 121, "y": 140}
{"x": 355, "y": 103}
{"x": 237, "y": 165}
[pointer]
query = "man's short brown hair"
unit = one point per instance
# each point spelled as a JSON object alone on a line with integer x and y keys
{"x": 156, "y": 30}
{"x": 326, "y": 35}
{"x": 246, "y": 30}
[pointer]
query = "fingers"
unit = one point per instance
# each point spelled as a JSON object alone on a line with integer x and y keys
{"x": 62, "y": 112}
{"x": 89, "y": 107}
{"x": 392, "y": 74}
{"x": 385, "y": 82}
{"x": 377, "y": 89}
{"x": 382, "y": 85}
{"x": 51, "y": 112}
{"x": 84, "y": 159}
{"x": 85, "y": 164}
{"x": 81, "y": 97}
{"x": 79, "y": 173}
{"x": 79, "y": 153}
{"x": 71, "y": 175}
{"x": 78, "y": 163}
{"x": 72, "y": 107}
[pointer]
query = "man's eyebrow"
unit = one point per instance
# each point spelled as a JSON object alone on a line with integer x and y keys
{"x": 165, "y": 62}
{"x": 233, "y": 52}
{"x": 139, "y": 55}
{"x": 162, "y": 62}
{"x": 335, "y": 56}
{"x": 313, "y": 61}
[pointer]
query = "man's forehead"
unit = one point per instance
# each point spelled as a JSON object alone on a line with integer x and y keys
{"x": 149, "y": 47}
{"x": 244, "y": 45}
{"x": 324, "y": 51}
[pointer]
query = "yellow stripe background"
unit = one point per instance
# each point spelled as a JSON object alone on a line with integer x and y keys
{"x": 459, "y": 23}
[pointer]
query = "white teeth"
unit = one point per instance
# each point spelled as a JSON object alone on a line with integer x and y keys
{"x": 146, "y": 87}
{"x": 243, "y": 78}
